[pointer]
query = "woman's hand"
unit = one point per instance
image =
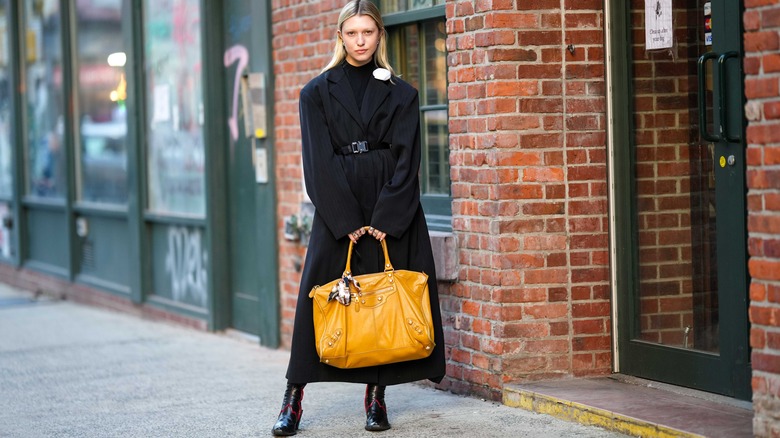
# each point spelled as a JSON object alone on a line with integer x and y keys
{"x": 378, "y": 235}
{"x": 357, "y": 234}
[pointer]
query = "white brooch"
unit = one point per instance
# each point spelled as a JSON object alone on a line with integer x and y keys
{"x": 382, "y": 74}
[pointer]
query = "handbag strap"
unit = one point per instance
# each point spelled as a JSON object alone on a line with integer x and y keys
{"x": 388, "y": 265}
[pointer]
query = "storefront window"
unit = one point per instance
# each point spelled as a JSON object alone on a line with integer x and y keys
{"x": 102, "y": 89}
{"x": 174, "y": 106}
{"x": 45, "y": 125}
{"x": 6, "y": 157}
{"x": 390, "y": 6}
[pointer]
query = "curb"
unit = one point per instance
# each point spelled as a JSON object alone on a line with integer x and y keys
{"x": 588, "y": 415}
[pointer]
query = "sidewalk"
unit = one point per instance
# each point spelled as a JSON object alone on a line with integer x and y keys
{"x": 73, "y": 371}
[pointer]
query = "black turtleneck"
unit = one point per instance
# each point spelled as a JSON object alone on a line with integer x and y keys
{"x": 358, "y": 79}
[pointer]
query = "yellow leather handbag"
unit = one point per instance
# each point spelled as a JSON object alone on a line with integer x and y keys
{"x": 387, "y": 319}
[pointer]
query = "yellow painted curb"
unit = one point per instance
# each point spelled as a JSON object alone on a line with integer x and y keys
{"x": 589, "y": 415}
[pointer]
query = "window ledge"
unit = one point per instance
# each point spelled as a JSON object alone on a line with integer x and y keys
{"x": 445, "y": 255}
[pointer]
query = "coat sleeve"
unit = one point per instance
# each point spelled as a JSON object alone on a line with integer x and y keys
{"x": 399, "y": 199}
{"x": 323, "y": 174}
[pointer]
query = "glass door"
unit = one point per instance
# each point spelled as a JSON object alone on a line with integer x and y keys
{"x": 685, "y": 321}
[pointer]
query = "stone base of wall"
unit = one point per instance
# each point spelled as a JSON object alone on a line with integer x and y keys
{"x": 766, "y": 402}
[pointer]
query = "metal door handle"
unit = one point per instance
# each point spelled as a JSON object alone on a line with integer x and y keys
{"x": 724, "y": 96}
{"x": 701, "y": 70}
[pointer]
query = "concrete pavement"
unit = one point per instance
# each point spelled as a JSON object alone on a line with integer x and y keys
{"x": 68, "y": 370}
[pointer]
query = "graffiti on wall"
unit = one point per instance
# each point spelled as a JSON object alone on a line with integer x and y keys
{"x": 239, "y": 54}
{"x": 186, "y": 264}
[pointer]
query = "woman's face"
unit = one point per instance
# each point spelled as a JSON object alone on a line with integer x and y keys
{"x": 361, "y": 39}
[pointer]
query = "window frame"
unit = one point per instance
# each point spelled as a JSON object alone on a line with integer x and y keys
{"x": 438, "y": 207}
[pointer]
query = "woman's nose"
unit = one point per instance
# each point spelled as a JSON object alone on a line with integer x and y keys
{"x": 361, "y": 40}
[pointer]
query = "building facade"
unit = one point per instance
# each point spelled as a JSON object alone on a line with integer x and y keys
{"x": 598, "y": 176}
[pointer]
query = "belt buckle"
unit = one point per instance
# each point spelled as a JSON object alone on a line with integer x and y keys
{"x": 358, "y": 147}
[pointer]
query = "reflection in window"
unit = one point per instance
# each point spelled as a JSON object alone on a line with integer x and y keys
{"x": 6, "y": 157}
{"x": 435, "y": 63}
{"x": 418, "y": 52}
{"x": 174, "y": 107}
{"x": 102, "y": 91}
{"x": 437, "y": 152}
{"x": 390, "y": 6}
{"x": 45, "y": 125}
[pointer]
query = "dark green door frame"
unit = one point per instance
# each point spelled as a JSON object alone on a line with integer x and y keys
{"x": 731, "y": 196}
{"x": 252, "y": 259}
{"x": 68, "y": 12}
{"x": 267, "y": 243}
{"x": 729, "y": 371}
{"x": 140, "y": 272}
{"x": 219, "y": 224}
{"x": 18, "y": 121}
{"x": 215, "y": 133}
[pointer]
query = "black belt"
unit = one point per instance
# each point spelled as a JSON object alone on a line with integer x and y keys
{"x": 359, "y": 147}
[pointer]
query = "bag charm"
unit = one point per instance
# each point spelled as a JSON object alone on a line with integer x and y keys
{"x": 341, "y": 290}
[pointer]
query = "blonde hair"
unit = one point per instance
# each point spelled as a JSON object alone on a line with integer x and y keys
{"x": 351, "y": 9}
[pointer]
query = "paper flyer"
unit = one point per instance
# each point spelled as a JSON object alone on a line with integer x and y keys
{"x": 658, "y": 24}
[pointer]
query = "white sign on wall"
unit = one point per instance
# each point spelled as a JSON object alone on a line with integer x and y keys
{"x": 161, "y": 109}
{"x": 658, "y": 24}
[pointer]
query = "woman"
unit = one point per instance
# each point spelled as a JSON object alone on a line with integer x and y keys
{"x": 361, "y": 155}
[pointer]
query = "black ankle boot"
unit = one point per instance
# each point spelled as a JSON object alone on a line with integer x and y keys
{"x": 290, "y": 416}
{"x": 376, "y": 411}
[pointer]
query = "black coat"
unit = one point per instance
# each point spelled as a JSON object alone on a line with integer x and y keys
{"x": 378, "y": 188}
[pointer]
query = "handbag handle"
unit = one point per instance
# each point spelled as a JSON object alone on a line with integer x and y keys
{"x": 388, "y": 265}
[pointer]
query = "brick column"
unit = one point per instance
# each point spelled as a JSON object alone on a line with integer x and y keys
{"x": 762, "y": 88}
{"x": 527, "y": 141}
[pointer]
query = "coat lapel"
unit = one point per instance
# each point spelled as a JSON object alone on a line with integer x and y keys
{"x": 341, "y": 91}
{"x": 376, "y": 93}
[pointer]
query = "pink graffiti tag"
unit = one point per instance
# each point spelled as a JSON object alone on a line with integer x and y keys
{"x": 236, "y": 53}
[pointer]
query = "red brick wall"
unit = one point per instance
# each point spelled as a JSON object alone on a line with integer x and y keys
{"x": 527, "y": 141}
{"x": 762, "y": 88}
